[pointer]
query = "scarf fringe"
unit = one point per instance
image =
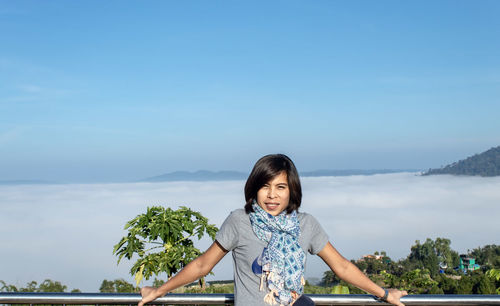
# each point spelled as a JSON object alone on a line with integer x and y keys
{"x": 269, "y": 298}
{"x": 273, "y": 277}
{"x": 262, "y": 280}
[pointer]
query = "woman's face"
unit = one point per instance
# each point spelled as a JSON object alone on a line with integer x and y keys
{"x": 274, "y": 196}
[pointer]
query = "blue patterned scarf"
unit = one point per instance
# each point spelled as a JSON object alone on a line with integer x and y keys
{"x": 282, "y": 261}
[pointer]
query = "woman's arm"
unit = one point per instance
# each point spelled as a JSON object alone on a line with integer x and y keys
{"x": 199, "y": 267}
{"x": 347, "y": 271}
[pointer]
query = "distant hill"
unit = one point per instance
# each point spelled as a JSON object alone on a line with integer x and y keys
{"x": 26, "y": 182}
{"x": 484, "y": 164}
{"x": 199, "y": 176}
{"x": 204, "y": 175}
{"x": 353, "y": 172}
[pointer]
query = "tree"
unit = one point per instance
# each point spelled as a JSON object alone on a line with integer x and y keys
{"x": 389, "y": 279}
{"x": 494, "y": 274}
{"x": 448, "y": 284}
{"x": 465, "y": 285}
{"x": 47, "y": 285}
{"x": 487, "y": 256}
{"x": 375, "y": 266}
{"x": 30, "y": 287}
{"x": 117, "y": 286}
{"x": 167, "y": 230}
{"x": 7, "y": 288}
{"x": 361, "y": 264}
{"x": 51, "y": 286}
{"x": 417, "y": 281}
{"x": 445, "y": 254}
{"x": 431, "y": 254}
{"x": 484, "y": 286}
{"x": 329, "y": 279}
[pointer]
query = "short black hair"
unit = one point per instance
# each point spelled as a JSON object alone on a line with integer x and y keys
{"x": 267, "y": 168}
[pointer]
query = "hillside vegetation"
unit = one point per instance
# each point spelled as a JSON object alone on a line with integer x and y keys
{"x": 484, "y": 164}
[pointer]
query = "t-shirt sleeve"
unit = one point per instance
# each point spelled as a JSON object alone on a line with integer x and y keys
{"x": 318, "y": 236}
{"x": 227, "y": 236}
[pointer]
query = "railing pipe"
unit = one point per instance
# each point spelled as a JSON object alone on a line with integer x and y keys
{"x": 221, "y": 299}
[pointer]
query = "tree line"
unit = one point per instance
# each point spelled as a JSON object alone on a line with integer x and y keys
{"x": 430, "y": 268}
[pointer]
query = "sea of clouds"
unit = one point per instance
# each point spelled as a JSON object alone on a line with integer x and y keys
{"x": 67, "y": 232}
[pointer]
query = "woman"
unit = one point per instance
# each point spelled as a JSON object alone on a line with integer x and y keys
{"x": 268, "y": 240}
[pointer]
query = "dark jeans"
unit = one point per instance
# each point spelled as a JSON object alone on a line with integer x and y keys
{"x": 304, "y": 301}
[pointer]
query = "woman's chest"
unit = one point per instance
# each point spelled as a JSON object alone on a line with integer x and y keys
{"x": 249, "y": 246}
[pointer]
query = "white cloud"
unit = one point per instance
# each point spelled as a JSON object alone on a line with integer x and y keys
{"x": 67, "y": 232}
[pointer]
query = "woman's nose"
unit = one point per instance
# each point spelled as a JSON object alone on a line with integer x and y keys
{"x": 271, "y": 193}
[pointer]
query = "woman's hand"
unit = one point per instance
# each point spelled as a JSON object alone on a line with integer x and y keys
{"x": 351, "y": 274}
{"x": 395, "y": 295}
{"x": 148, "y": 294}
{"x": 197, "y": 268}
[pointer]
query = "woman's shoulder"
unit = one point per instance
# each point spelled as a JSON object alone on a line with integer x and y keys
{"x": 305, "y": 216}
{"x": 237, "y": 214}
{"x": 307, "y": 219}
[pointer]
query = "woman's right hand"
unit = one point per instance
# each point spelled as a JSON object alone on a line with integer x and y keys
{"x": 395, "y": 295}
{"x": 148, "y": 294}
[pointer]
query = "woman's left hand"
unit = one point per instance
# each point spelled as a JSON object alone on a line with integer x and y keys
{"x": 395, "y": 295}
{"x": 148, "y": 294}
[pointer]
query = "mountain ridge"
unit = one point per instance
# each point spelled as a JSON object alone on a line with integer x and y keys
{"x": 486, "y": 163}
{"x": 206, "y": 175}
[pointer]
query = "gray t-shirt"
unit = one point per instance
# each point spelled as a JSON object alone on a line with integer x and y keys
{"x": 236, "y": 235}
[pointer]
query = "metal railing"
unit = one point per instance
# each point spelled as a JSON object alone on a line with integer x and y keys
{"x": 228, "y": 299}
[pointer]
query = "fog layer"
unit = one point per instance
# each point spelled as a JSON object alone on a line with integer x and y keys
{"x": 67, "y": 232}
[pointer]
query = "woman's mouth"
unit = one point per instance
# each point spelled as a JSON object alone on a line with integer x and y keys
{"x": 272, "y": 206}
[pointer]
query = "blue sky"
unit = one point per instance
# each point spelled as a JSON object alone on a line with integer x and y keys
{"x": 122, "y": 90}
